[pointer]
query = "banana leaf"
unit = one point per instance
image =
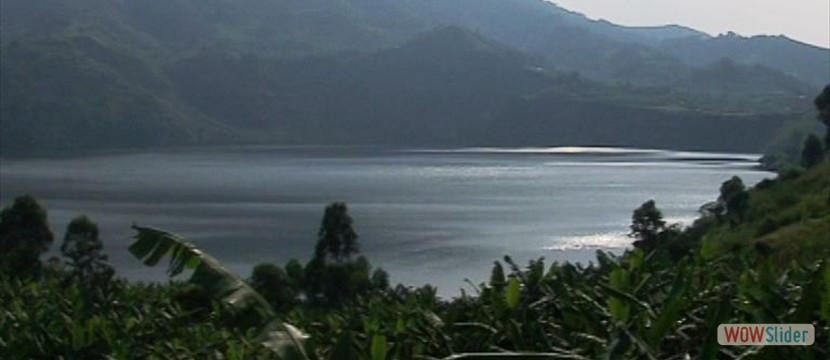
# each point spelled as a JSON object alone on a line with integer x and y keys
{"x": 239, "y": 298}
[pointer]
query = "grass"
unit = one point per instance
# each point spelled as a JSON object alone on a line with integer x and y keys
{"x": 790, "y": 214}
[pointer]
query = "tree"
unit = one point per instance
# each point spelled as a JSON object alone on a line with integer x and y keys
{"x": 646, "y": 225}
{"x": 812, "y": 152}
{"x": 294, "y": 271}
{"x": 734, "y": 198}
{"x": 336, "y": 237}
{"x": 380, "y": 279}
{"x": 248, "y": 308}
{"x": 83, "y": 247}
{"x": 822, "y": 103}
{"x": 343, "y": 282}
{"x": 274, "y": 285}
{"x": 312, "y": 278}
{"x": 24, "y": 235}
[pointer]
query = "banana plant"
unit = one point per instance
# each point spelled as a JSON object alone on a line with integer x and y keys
{"x": 249, "y": 307}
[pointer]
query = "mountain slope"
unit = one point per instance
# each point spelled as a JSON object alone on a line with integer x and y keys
{"x": 98, "y": 74}
{"x": 427, "y": 90}
{"x": 75, "y": 94}
{"x": 282, "y": 29}
{"x": 451, "y": 87}
{"x": 603, "y": 50}
{"x": 808, "y": 63}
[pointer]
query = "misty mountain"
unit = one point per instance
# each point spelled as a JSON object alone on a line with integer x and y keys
{"x": 450, "y": 87}
{"x": 98, "y": 74}
{"x": 606, "y": 51}
{"x": 806, "y": 62}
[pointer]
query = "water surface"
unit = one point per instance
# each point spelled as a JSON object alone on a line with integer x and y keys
{"x": 426, "y": 216}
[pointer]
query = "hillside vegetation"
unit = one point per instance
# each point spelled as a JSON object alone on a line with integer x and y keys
{"x": 100, "y": 75}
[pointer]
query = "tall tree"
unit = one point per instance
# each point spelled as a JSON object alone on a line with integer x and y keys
{"x": 735, "y": 199}
{"x": 24, "y": 235}
{"x": 646, "y": 225}
{"x": 336, "y": 237}
{"x": 83, "y": 247}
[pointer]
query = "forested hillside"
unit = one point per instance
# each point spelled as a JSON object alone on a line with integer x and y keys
{"x": 96, "y": 75}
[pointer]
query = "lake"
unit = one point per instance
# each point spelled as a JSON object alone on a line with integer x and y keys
{"x": 426, "y": 216}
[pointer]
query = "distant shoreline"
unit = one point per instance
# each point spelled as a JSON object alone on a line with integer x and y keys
{"x": 694, "y": 154}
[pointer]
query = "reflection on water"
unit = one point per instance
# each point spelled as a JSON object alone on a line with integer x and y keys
{"x": 435, "y": 216}
{"x": 617, "y": 240}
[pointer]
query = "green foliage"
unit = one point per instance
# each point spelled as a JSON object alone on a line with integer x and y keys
{"x": 294, "y": 271}
{"x": 78, "y": 76}
{"x": 333, "y": 278}
{"x": 336, "y": 239}
{"x": 379, "y": 347}
{"x": 646, "y": 223}
{"x": 784, "y": 149}
{"x": 512, "y": 292}
{"x": 789, "y": 214}
{"x": 83, "y": 247}
{"x": 48, "y": 319}
{"x": 734, "y": 198}
{"x": 152, "y": 245}
{"x": 789, "y": 148}
{"x": 812, "y": 152}
{"x": 247, "y": 308}
{"x": 24, "y": 235}
{"x": 274, "y": 285}
{"x": 380, "y": 279}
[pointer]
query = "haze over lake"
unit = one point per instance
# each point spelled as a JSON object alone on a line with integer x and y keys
{"x": 426, "y": 216}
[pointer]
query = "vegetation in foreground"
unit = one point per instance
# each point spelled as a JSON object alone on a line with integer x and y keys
{"x": 755, "y": 256}
{"x": 763, "y": 259}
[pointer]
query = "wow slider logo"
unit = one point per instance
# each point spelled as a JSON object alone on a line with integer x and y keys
{"x": 766, "y": 334}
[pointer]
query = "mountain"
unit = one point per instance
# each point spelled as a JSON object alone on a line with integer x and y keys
{"x": 452, "y": 87}
{"x": 427, "y": 91}
{"x": 98, "y": 74}
{"x": 599, "y": 49}
{"x": 808, "y": 63}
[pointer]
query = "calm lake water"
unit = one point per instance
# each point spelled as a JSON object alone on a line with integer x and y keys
{"x": 426, "y": 216}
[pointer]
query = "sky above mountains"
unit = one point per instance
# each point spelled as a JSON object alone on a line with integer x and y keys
{"x": 803, "y": 20}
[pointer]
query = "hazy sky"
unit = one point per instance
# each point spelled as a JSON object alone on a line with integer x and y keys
{"x": 803, "y": 20}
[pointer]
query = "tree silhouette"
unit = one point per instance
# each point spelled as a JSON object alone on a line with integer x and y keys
{"x": 646, "y": 225}
{"x": 274, "y": 285}
{"x": 734, "y": 198}
{"x": 24, "y": 235}
{"x": 83, "y": 247}
{"x": 380, "y": 279}
{"x": 336, "y": 237}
